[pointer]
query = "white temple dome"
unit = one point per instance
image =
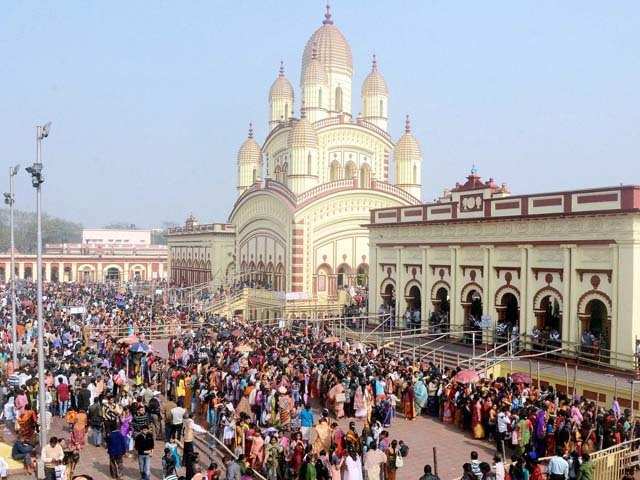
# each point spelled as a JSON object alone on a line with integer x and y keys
{"x": 302, "y": 134}
{"x": 333, "y": 50}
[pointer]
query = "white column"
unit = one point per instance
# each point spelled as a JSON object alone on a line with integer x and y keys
{"x": 566, "y": 292}
{"x": 99, "y": 273}
{"x": 374, "y": 293}
{"x": 125, "y": 273}
{"x": 425, "y": 301}
{"x": 574, "y": 324}
{"x": 47, "y": 271}
{"x": 161, "y": 270}
{"x": 454, "y": 300}
{"x": 60, "y": 271}
{"x": 400, "y": 302}
{"x": 7, "y": 272}
{"x": 21, "y": 270}
{"x": 487, "y": 285}
{"x": 615, "y": 329}
{"x": 74, "y": 268}
{"x": 524, "y": 326}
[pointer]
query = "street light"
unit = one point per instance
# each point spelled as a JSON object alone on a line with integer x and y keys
{"x": 10, "y": 199}
{"x": 37, "y": 179}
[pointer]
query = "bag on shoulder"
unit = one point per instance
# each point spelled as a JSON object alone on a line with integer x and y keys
{"x": 404, "y": 450}
{"x": 399, "y": 461}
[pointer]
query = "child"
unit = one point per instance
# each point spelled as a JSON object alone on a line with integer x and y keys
{"x": 213, "y": 472}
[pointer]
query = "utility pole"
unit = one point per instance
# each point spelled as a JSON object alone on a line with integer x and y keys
{"x": 37, "y": 179}
{"x": 10, "y": 199}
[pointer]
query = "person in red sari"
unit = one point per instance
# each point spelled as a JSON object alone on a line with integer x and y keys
{"x": 476, "y": 420}
{"x": 408, "y": 399}
{"x": 297, "y": 453}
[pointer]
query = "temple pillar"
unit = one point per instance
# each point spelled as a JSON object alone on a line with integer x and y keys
{"x": 21, "y": 270}
{"x": 400, "y": 302}
{"x": 425, "y": 291}
{"x": 566, "y": 293}
{"x": 47, "y": 272}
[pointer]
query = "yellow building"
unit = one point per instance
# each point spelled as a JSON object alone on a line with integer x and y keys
{"x": 562, "y": 263}
{"x": 305, "y": 191}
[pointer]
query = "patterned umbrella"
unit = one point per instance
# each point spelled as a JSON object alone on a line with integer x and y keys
{"x": 467, "y": 376}
{"x": 520, "y": 377}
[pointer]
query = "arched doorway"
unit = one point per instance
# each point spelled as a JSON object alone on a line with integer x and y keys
{"x": 439, "y": 319}
{"x": 362, "y": 275}
{"x": 343, "y": 275}
{"x": 414, "y": 306}
{"x": 508, "y": 315}
{"x": 595, "y": 329}
{"x": 112, "y": 274}
{"x": 389, "y": 295}
{"x": 472, "y": 306}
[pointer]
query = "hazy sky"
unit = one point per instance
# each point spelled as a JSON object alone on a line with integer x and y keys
{"x": 150, "y": 99}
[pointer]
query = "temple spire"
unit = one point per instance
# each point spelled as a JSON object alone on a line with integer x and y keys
{"x": 374, "y": 63}
{"x": 250, "y": 130}
{"x": 281, "y": 71}
{"x": 407, "y": 125}
{"x": 327, "y": 16}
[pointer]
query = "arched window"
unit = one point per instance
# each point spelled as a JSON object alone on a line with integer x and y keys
{"x": 381, "y": 108}
{"x": 338, "y": 99}
{"x": 334, "y": 173}
{"x": 320, "y": 98}
{"x": 350, "y": 170}
{"x": 286, "y": 112}
{"x": 309, "y": 163}
{"x": 415, "y": 175}
{"x": 365, "y": 176}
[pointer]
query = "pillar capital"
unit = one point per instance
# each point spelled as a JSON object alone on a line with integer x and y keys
{"x": 569, "y": 245}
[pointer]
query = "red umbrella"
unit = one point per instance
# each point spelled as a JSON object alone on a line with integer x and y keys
{"x": 520, "y": 377}
{"x": 467, "y": 376}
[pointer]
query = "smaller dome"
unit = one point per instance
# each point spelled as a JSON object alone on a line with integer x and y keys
{"x": 315, "y": 73}
{"x": 374, "y": 84}
{"x": 281, "y": 87}
{"x": 250, "y": 150}
{"x": 302, "y": 134}
{"x": 407, "y": 147}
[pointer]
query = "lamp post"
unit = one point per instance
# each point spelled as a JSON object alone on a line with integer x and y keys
{"x": 10, "y": 199}
{"x": 37, "y": 179}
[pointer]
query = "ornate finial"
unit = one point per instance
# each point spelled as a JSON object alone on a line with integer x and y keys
{"x": 374, "y": 63}
{"x": 474, "y": 169}
{"x": 407, "y": 125}
{"x": 250, "y": 130}
{"x": 327, "y": 16}
{"x": 281, "y": 71}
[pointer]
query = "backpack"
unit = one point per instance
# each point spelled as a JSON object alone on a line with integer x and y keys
{"x": 404, "y": 450}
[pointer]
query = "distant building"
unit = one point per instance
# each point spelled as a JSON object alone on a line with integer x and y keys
{"x": 109, "y": 236}
{"x": 104, "y": 254}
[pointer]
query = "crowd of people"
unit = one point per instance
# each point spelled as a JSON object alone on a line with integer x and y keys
{"x": 283, "y": 402}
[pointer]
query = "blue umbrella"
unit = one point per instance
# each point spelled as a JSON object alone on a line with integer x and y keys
{"x": 139, "y": 348}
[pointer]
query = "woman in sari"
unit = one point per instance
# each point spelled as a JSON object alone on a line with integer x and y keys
{"x": 476, "y": 420}
{"x": 297, "y": 453}
{"x": 338, "y": 440}
{"x": 323, "y": 437}
{"x": 359, "y": 403}
{"x": 27, "y": 425}
{"x": 408, "y": 402}
{"x": 420, "y": 395}
{"x": 256, "y": 453}
{"x": 337, "y": 395}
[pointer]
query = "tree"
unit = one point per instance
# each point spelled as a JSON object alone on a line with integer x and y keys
{"x": 54, "y": 230}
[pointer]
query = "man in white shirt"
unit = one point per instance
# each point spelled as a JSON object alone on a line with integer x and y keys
{"x": 502, "y": 425}
{"x": 177, "y": 415}
{"x": 558, "y": 468}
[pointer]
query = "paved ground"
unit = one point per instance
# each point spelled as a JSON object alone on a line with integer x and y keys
{"x": 421, "y": 434}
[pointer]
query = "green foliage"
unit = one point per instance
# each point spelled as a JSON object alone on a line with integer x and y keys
{"x": 54, "y": 230}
